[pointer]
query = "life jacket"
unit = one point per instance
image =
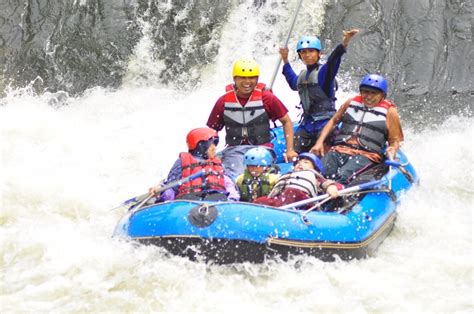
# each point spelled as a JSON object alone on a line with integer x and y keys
{"x": 247, "y": 124}
{"x": 304, "y": 180}
{"x": 252, "y": 187}
{"x": 212, "y": 180}
{"x": 368, "y": 125}
{"x": 316, "y": 104}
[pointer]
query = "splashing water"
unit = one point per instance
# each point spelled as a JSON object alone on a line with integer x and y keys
{"x": 63, "y": 167}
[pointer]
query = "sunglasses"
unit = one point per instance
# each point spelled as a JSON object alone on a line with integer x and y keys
{"x": 214, "y": 139}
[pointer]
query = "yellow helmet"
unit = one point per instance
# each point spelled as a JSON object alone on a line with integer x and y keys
{"x": 245, "y": 67}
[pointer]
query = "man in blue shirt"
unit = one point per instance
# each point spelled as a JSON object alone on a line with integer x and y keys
{"x": 315, "y": 85}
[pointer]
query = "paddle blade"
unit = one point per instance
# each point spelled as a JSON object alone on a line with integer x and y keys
{"x": 132, "y": 201}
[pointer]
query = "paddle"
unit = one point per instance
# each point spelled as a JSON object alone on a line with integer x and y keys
{"x": 389, "y": 162}
{"x": 352, "y": 189}
{"x": 133, "y": 200}
{"x": 270, "y": 86}
{"x": 145, "y": 197}
{"x": 363, "y": 186}
{"x": 393, "y": 163}
{"x": 318, "y": 205}
{"x": 402, "y": 169}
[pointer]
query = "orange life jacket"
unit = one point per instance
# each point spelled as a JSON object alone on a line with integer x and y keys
{"x": 212, "y": 180}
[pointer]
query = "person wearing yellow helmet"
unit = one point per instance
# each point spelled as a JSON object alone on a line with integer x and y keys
{"x": 245, "y": 110}
{"x": 245, "y": 67}
{"x": 316, "y": 86}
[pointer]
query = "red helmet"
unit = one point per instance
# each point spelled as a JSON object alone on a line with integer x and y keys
{"x": 200, "y": 134}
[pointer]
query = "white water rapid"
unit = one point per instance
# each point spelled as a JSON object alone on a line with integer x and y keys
{"x": 63, "y": 167}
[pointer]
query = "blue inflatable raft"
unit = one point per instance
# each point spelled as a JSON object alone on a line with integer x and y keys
{"x": 352, "y": 226}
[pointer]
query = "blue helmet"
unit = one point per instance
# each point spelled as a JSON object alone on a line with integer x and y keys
{"x": 375, "y": 81}
{"x": 317, "y": 163}
{"x": 258, "y": 156}
{"x": 310, "y": 42}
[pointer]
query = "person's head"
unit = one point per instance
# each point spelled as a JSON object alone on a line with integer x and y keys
{"x": 202, "y": 142}
{"x": 373, "y": 89}
{"x": 308, "y": 161}
{"x": 309, "y": 49}
{"x": 257, "y": 160}
{"x": 245, "y": 73}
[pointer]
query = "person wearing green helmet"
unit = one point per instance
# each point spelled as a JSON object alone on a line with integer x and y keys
{"x": 316, "y": 86}
{"x": 245, "y": 110}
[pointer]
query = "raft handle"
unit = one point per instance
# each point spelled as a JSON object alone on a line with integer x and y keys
{"x": 204, "y": 209}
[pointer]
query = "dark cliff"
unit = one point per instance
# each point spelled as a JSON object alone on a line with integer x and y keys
{"x": 424, "y": 48}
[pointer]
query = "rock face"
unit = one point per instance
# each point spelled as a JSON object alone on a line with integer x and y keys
{"x": 71, "y": 45}
{"x": 422, "y": 47}
{"x": 76, "y": 45}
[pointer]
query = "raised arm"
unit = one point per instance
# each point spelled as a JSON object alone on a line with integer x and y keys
{"x": 347, "y": 36}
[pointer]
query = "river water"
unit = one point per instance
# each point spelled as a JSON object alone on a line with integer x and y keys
{"x": 67, "y": 161}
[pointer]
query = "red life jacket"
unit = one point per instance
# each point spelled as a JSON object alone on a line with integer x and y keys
{"x": 213, "y": 180}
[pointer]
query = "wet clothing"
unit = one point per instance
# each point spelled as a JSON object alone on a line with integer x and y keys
{"x": 296, "y": 186}
{"x": 247, "y": 124}
{"x": 212, "y": 180}
{"x": 287, "y": 196}
{"x": 352, "y": 154}
{"x": 176, "y": 173}
{"x": 304, "y": 180}
{"x": 316, "y": 86}
{"x": 304, "y": 140}
{"x": 233, "y": 159}
{"x": 247, "y": 134}
{"x": 368, "y": 125}
{"x": 352, "y": 146}
{"x": 343, "y": 167}
{"x": 316, "y": 103}
{"x": 251, "y": 187}
{"x": 272, "y": 106}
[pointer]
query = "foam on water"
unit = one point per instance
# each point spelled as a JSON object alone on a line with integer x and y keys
{"x": 64, "y": 167}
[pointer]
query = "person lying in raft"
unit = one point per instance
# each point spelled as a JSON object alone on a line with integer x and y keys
{"x": 213, "y": 185}
{"x": 304, "y": 182}
{"x": 257, "y": 179}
